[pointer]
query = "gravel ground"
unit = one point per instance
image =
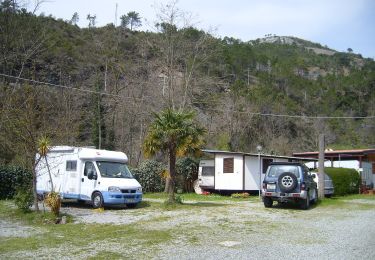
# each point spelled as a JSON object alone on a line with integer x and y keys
{"x": 234, "y": 230}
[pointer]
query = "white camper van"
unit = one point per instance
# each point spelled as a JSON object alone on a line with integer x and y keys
{"x": 86, "y": 174}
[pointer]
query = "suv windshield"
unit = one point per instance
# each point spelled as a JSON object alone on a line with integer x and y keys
{"x": 114, "y": 170}
{"x": 276, "y": 170}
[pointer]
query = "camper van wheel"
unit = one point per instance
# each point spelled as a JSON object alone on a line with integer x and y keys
{"x": 97, "y": 200}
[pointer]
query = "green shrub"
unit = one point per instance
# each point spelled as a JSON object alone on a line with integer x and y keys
{"x": 179, "y": 199}
{"x": 24, "y": 198}
{"x": 187, "y": 173}
{"x": 149, "y": 175}
{"x": 346, "y": 181}
{"x": 12, "y": 177}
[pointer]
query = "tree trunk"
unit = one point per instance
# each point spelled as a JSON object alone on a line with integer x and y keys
{"x": 34, "y": 190}
{"x": 172, "y": 173}
{"x": 167, "y": 184}
{"x": 49, "y": 173}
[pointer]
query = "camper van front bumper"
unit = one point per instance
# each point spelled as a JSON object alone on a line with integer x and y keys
{"x": 121, "y": 198}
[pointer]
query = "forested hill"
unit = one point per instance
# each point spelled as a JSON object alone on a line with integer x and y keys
{"x": 226, "y": 81}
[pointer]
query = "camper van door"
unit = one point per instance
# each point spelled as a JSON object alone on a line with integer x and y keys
{"x": 88, "y": 180}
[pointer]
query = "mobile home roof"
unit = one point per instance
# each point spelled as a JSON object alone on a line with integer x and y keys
{"x": 262, "y": 155}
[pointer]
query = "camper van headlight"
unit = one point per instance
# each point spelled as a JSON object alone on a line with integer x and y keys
{"x": 139, "y": 189}
{"x": 114, "y": 189}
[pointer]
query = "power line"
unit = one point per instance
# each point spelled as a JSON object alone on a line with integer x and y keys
{"x": 292, "y": 116}
{"x": 211, "y": 109}
{"x": 68, "y": 87}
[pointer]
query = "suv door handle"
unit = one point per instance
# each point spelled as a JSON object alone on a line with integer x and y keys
{"x": 83, "y": 180}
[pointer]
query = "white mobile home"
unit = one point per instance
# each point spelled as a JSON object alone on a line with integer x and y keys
{"x": 87, "y": 174}
{"x": 237, "y": 171}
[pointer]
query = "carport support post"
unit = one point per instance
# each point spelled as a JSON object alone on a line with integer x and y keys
{"x": 321, "y": 167}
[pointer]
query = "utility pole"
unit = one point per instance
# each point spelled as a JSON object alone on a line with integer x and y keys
{"x": 259, "y": 149}
{"x": 116, "y": 15}
{"x": 248, "y": 76}
{"x": 321, "y": 167}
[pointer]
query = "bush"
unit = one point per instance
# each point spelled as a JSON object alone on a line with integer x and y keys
{"x": 345, "y": 181}
{"x": 187, "y": 173}
{"x": 53, "y": 201}
{"x": 149, "y": 175}
{"x": 24, "y": 198}
{"x": 12, "y": 177}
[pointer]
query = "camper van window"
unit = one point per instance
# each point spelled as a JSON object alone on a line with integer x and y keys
{"x": 71, "y": 165}
{"x": 89, "y": 166}
{"x": 208, "y": 171}
{"x": 114, "y": 170}
{"x": 228, "y": 165}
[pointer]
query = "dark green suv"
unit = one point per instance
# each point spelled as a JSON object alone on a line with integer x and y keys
{"x": 289, "y": 182}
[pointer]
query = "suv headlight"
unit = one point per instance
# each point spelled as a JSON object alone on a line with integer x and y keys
{"x": 139, "y": 189}
{"x": 114, "y": 189}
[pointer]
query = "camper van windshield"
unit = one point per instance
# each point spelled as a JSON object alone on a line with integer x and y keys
{"x": 114, "y": 170}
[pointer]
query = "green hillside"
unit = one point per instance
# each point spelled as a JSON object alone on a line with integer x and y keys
{"x": 226, "y": 81}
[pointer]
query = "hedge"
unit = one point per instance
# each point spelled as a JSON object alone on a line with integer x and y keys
{"x": 12, "y": 177}
{"x": 187, "y": 173}
{"x": 346, "y": 181}
{"x": 149, "y": 174}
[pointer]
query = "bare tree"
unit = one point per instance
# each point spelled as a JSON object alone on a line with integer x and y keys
{"x": 75, "y": 19}
{"x": 183, "y": 50}
{"x": 92, "y": 20}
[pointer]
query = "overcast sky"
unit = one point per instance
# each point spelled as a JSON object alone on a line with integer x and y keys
{"x": 339, "y": 24}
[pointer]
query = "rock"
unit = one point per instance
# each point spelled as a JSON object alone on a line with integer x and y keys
{"x": 63, "y": 220}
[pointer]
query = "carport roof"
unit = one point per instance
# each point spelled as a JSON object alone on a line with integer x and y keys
{"x": 353, "y": 154}
{"x": 262, "y": 155}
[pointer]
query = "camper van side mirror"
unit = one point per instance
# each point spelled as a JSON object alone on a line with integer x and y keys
{"x": 313, "y": 175}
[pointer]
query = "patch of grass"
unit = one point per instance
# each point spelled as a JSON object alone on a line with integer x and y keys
{"x": 350, "y": 201}
{"x": 28, "y": 217}
{"x": 84, "y": 235}
{"x": 331, "y": 202}
{"x": 358, "y": 196}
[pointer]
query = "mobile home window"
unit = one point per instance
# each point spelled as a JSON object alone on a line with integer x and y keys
{"x": 71, "y": 165}
{"x": 265, "y": 163}
{"x": 208, "y": 171}
{"x": 228, "y": 165}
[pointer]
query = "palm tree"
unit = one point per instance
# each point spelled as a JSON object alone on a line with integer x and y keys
{"x": 43, "y": 148}
{"x": 176, "y": 133}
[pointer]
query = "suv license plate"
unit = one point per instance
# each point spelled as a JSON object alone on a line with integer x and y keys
{"x": 271, "y": 186}
{"x": 130, "y": 200}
